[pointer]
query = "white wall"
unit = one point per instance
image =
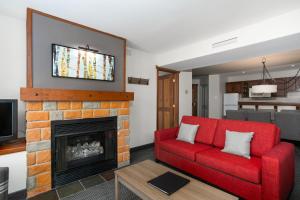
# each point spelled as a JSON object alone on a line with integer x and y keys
{"x": 276, "y": 27}
{"x": 185, "y": 94}
{"x": 216, "y": 90}
{"x": 143, "y": 108}
{"x": 13, "y": 62}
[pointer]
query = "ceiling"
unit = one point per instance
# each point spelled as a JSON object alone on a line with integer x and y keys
{"x": 286, "y": 60}
{"x": 157, "y": 25}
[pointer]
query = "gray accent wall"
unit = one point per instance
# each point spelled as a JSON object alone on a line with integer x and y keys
{"x": 47, "y": 31}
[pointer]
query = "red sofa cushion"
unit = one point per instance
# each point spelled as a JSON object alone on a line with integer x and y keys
{"x": 265, "y": 134}
{"x": 183, "y": 149}
{"x": 206, "y": 130}
{"x": 243, "y": 168}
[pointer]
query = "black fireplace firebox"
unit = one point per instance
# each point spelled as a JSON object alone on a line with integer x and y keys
{"x": 82, "y": 148}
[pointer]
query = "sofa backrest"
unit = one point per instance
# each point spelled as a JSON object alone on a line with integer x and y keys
{"x": 265, "y": 134}
{"x": 206, "y": 130}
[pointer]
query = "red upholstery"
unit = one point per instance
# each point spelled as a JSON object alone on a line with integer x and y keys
{"x": 183, "y": 149}
{"x": 234, "y": 185}
{"x": 265, "y": 134}
{"x": 269, "y": 174}
{"x": 246, "y": 169}
{"x": 278, "y": 171}
{"x": 161, "y": 135}
{"x": 206, "y": 130}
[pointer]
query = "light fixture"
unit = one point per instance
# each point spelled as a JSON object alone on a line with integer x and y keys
{"x": 265, "y": 87}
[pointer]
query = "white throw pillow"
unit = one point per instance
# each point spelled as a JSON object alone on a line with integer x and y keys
{"x": 187, "y": 132}
{"x": 238, "y": 143}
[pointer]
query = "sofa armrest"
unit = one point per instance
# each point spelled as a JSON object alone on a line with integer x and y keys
{"x": 163, "y": 134}
{"x": 278, "y": 171}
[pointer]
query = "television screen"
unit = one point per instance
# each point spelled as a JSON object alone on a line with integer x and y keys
{"x": 8, "y": 119}
{"x": 5, "y": 119}
{"x": 69, "y": 62}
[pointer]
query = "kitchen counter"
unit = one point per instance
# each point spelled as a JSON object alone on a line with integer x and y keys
{"x": 271, "y": 102}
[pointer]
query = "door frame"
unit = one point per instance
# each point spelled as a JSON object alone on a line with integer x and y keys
{"x": 197, "y": 107}
{"x": 176, "y": 93}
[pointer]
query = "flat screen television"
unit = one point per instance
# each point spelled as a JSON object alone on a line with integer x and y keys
{"x": 8, "y": 119}
{"x": 68, "y": 62}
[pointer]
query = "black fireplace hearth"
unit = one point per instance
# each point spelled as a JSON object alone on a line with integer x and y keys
{"x": 82, "y": 148}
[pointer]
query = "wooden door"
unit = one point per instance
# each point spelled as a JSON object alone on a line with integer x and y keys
{"x": 167, "y": 101}
{"x": 195, "y": 100}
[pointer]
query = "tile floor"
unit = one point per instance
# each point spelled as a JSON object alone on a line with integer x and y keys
{"x": 83, "y": 184}
{"x": 74, "y": 187}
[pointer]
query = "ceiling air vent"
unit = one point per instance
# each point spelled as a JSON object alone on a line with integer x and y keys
{"x": 224, "y": 42}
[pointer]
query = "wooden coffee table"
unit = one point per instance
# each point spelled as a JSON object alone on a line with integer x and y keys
{"x": 135, "y": 178}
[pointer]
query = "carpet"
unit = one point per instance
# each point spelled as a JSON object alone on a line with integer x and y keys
{"x": 104, "y": 191}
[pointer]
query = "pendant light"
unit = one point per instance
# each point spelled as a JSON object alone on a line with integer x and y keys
{"x": 265, "y": 87}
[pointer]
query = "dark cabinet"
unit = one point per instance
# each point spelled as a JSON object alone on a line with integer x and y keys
{"x": 234, "y": 87}
{"x": 240, "y": 87}
{"x": 284, "y": 85}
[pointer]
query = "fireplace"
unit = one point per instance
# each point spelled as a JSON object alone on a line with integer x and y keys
{"x": 82, "y": 147}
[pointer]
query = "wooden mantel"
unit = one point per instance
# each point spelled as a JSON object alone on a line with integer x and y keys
{"x": 47, "y": 94}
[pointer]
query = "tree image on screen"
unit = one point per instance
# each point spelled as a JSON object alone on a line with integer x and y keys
{"x": 83, "y": 64}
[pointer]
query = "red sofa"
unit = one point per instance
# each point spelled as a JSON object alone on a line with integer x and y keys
{"x": 268, "y": 175}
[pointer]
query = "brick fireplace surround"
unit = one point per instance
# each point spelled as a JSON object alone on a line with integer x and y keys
{"x": 38, "y": 134}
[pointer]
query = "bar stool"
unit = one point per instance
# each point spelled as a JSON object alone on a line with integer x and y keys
{"x": 259, "y": 116}
{"x": 236, "y": 115}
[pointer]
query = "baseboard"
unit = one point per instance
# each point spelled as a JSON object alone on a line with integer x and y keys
{"x": 145, "y": 146}
{"x": 18, "y": 195}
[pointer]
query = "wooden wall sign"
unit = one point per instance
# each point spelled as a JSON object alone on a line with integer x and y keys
{"x": 139, "y": 81}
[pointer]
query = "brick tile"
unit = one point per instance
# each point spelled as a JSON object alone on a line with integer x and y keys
{"x": 31, "y": 158}
{"x": 90, "y": 105}
{"x": 126, "y": 156}
{"x": 37, "y": 116}
{"x": 87, "y": 113}
{"x": 43, "y": 179}
{"x": 49, "y": 105}
{"x": 121, "y": 141}
{"x": 125, "y": 124}
{"x": 123, "y": 149}
{"x": 43, "y": 124}
{"x": 105, "y": 105}
{"x": 33, "y": 135}
{"x": 63, "y": 105}
{"x": 72, "y": 114}
{"x": 101, "y": 113}
{"x": 119, "y": 104}
{"x": 43, "y": 156}
{"x": 123, "y": 111}
{"x": 56, "y": 115}
{"x": 38, "y": 190}
{"x": 76, "y": 105}
{"x": 33, "y": 106}
{"x": 38, "y": 146}
{"x": 45, "y": 133}
{"x": 123, "y": 133}
{"x": 120, "y": 157}
{"x": 38, "y": 169}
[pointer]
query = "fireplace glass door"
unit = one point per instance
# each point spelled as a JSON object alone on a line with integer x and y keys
{"x": 84, "y": 149}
